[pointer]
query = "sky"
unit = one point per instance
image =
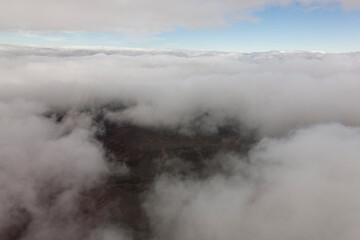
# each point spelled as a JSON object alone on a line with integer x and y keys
{"x": 228, "y": 25}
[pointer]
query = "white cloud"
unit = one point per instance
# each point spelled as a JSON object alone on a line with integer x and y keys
{"x": 135, "y": 16}
{"x": 272, "y": 92}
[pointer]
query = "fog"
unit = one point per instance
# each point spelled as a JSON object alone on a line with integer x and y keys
{"x": 299, "y": 181}
{"x": 44, "y": 167}
{"x": 302, "y": 186}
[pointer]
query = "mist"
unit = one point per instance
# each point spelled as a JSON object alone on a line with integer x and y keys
{"x": 301, "y": 186}
{"x": 44, "y": 168}
{"x": 299, "y": 180}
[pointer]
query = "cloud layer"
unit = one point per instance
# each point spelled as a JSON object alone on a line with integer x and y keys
{"x": 300, "y": 181}
{"x": 270, "y": 92}
{"x": 135, "y": 16}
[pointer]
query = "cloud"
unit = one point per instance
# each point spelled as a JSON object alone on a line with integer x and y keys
{"x": 299, "y": 181}
{"x": 36, "y": 36}
{"x": 44, "y": 168}
{"x": 271, "y": 92}
{"x": 302, "y": 186}
{"x": 135, "y": 16}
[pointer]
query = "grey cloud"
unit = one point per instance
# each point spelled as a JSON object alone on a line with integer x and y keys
{"x": 134, "y": 16}
{"x": 303, "y": 186}
{"x": 44, "y": 167}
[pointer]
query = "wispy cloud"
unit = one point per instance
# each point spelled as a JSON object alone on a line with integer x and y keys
{"x": 41, "y": 36}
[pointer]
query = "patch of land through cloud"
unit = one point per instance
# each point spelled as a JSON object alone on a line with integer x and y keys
{"x": 220, "y": 145}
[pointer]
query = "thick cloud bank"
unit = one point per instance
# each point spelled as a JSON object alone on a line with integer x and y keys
{"x": 137, "y": 16}
{"x": 270, "y": 92}
{"x": 300, "y": 181}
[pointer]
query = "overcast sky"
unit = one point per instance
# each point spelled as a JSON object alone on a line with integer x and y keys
{"x": 259, "y": 25}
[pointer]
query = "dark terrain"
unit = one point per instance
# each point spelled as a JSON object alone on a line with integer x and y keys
{"x": 144, "y": 153}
